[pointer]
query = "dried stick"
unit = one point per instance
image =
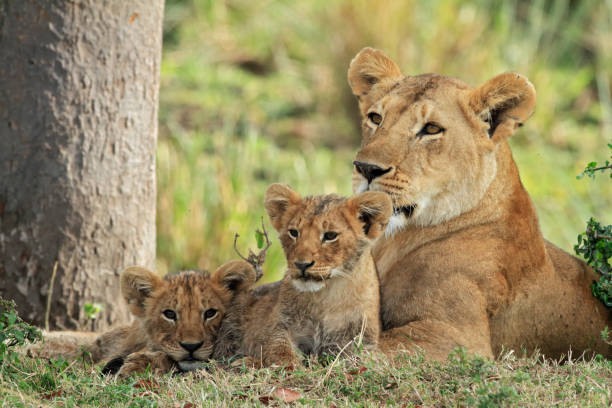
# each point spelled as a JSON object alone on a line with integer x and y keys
{"x": 49, "y": 295}
{"x": 256, "y": 260}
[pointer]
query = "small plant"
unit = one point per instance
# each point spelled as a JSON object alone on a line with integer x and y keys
{"x": 91, "y": 311}
{"x": 13, "y": 332}
{"x": 256, "y": 260}
{"x": 592, "y": 168}
{"x": 595, "y": 244}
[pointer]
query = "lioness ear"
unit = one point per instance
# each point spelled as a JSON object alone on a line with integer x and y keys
{"x": 505, "y": 102}
{"x": 137, "y": 284}
{"x": 236, "y": 276}
{"x": 371, "y": 74}
{"x": 278, "y": 198}
{"x": 373, "y": 210}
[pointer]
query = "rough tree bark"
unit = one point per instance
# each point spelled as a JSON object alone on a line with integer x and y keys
{"x": 79, "y": 83}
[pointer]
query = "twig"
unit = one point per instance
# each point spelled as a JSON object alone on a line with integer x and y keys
{"x": 600, "y": 168}
{"x": 256, "y": 260}
{"x": 49, "y": 295}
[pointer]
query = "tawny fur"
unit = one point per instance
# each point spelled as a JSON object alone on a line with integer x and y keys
{"x": 153, "y": 340}
{"x": 469, "y": 266}
{"x": 273, "y": 323}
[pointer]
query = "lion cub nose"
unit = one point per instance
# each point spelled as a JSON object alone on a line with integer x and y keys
{"x": 302, "y": 266}
{"x": 191, "y": 347}
{"x": 370, "y": 171}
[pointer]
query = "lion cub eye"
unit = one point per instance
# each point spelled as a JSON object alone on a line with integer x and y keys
{"x": 210, "y": 313}
{"x": 430, "y": 129}
{"x": 330, "y": 236}
{"x": 375, "y": 118}
{"x": 293, "y": 233}
{"x": 169, "y": 314}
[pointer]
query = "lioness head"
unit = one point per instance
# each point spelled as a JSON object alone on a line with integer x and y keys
{"x": 324, "y": 236}
{"x": 429, "y": 141}
{"x": 182, "y": 313}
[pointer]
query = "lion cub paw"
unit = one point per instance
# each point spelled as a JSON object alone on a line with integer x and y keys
{"x": 283, "y": 360}
{"x": 257, "y": 363}
{"x": 248, "y": 362}
{"x": 157, "y": 362}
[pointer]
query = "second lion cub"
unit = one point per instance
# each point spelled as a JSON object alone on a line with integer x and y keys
{"x": 330, "y": 292}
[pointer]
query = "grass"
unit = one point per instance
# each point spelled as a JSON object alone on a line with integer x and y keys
{"x": 363, "y": 381}
{"x": 255, "y": 92}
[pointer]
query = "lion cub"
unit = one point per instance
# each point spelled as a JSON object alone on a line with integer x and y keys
{"x": 177, "y": 320}
{"x": 330, "y": 292}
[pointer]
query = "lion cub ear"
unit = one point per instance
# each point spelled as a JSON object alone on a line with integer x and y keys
{"x": 372, "y": 74}
{"x": 137, "y": 284}
{"x": 236, "y": 276}
{"x": 372, "y": 209}
{"x": 278, "y": 198}
{"x": 505, "y": 102}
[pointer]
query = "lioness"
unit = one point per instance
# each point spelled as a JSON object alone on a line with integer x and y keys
{"x": 330, "y": 292}
{"x": 463, "y": 263}
{"x": 177, "y": 320}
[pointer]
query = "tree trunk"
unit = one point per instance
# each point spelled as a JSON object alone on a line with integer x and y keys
{"x": 79, "y": 83}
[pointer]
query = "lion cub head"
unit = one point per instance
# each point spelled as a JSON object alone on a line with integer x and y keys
{"x": 430, "y": 141}
{"x": 324, "y": 236}
{"x": 182, "y": 313}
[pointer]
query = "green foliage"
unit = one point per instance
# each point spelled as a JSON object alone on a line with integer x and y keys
{"x": 595, "y": 245}
{"x": 92, "y": 309}
{"x": 592, "y": 168}
{"x": 13, "y": 332}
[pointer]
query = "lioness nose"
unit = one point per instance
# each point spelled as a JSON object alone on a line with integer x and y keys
{"x": 191, "y": 347}
{"x": 370, "y": 171}
{"x": 302, "y": 266}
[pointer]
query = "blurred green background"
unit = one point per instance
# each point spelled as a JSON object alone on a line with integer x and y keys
{"x": 255, "y": 92}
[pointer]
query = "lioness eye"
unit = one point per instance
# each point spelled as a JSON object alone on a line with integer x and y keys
{"x": 293, "y": 233}
{"x": 375, "y": 118}
{"x": 169, "y": 314}
{"x": 431, "y": 129}
{"x": 210, "y": 313}
{"x": 330, "y": 236}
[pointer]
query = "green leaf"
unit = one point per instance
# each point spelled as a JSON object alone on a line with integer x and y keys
{"x": 92, "y": 309}
{"x": 12, "y": 318}
{"x": 259, "y": 237}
